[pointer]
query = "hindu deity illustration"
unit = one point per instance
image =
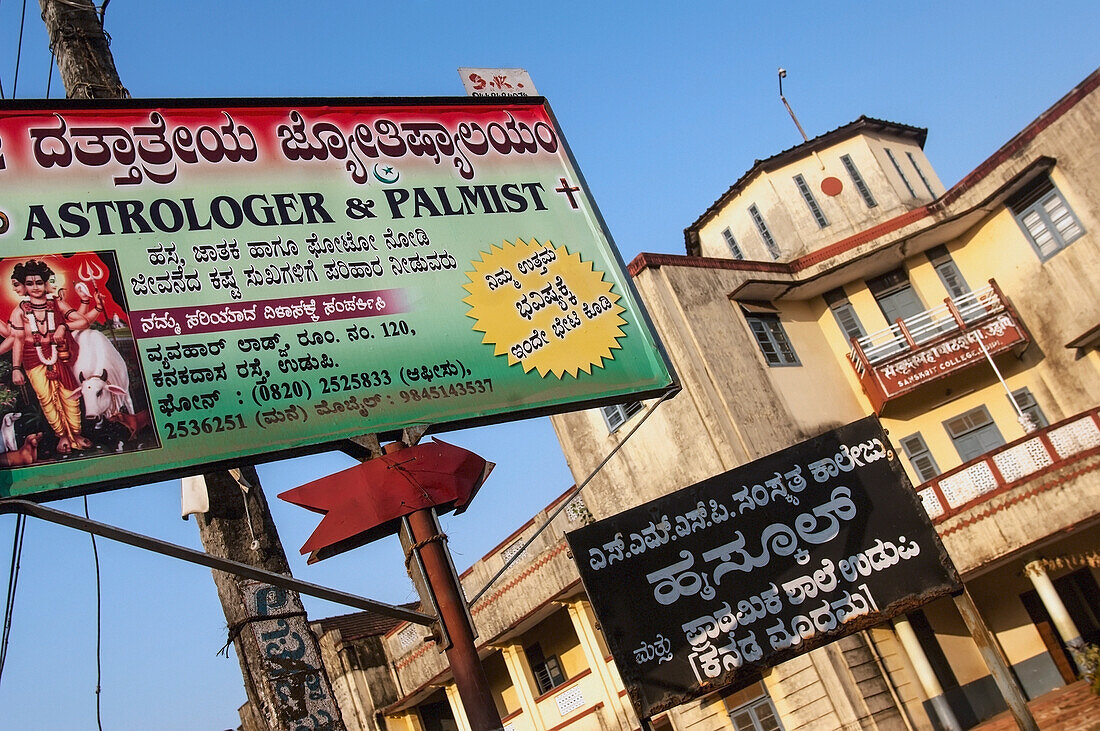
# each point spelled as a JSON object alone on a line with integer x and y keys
{"x": 72, "y": 364}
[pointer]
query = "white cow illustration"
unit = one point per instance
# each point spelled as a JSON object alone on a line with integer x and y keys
{"x": 101, "y": 371}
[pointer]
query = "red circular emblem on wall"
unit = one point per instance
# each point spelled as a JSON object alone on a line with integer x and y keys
{"x": 831, "y": 186}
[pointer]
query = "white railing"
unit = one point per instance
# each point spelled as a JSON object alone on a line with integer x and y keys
{"x": 926, "y": 326}
{"x": 993, "y": 471}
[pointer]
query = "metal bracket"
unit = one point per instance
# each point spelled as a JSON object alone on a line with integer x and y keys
{"x": 415, "y": 566}
{"x": 190, "y": 555}
{"x": 411, "y": 435}
{"x": 363, "y": 447}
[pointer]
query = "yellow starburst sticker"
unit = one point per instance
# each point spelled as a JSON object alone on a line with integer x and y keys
{"x": 544, "y": 308}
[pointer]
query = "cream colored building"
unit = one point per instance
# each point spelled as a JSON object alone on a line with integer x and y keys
{"x": 833, "y": 280}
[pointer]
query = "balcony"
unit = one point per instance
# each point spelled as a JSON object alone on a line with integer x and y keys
{"x": 1005, "y": 467}
{"x": 1045, "y": 483}
{"x": 936, "y": 343}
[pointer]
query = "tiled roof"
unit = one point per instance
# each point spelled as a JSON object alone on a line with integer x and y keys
{"x": 362, "y": 624}
{"x": 864, "y": 123}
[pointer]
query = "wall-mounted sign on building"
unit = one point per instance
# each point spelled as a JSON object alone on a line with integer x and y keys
{"x": 737, "y": 573}
{"x": 905, "y": 374}
{"x": 194, "y": 283}
{"x": 497, "y": 82}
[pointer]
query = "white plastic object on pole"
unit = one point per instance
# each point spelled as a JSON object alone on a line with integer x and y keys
{"x": 193, "y": 496}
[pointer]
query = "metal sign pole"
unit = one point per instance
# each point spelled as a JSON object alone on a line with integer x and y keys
{"x": 473, "y": 685}
{"x": 461, "y": 650}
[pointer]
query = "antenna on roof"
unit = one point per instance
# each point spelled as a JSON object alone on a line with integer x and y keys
{"x": 783, "y": 75}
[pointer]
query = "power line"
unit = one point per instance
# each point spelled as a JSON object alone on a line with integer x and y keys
{"x": 49, "y": 78}
{"x": 2, "y": 89}
{"x": 13, "y": 581}
{"x": 19, "y": 50}
{"x": 98, "y": 626}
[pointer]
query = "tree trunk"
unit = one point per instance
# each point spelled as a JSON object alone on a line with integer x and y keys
{"x": 80, "y": 45}
{"x": 280, "y": 658}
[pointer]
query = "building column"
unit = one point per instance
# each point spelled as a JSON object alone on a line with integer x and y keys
{"x": 586, "y": 633}
{"x": 457, "y": 710}
{"x": 516, "y": 662}
{"x": 1067, "y": 628}
{"x": 925, "y": 673}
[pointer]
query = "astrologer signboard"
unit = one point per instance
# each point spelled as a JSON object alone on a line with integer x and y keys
{"x": 707, "y": 586}
{"x": 193, "y": 283}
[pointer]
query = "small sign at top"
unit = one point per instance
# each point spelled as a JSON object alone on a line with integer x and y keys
{"x": 497, "y": 82}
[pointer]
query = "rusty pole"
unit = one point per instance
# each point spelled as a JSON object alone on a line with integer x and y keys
{"x": 996, "y": 661}
{"x": 473, "y": 685}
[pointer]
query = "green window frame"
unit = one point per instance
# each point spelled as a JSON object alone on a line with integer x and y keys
{"x": 857, "y": 179}
{"x": 974, "y": 433}
{"x": 731, "y": 242}
{"x": 765, "y": 233}
{"x": 618, "y": 414}
{"x": 811, "y": 202}
{"x": 844, "y": 314}
{"x": 948, "y": 271}
{"x": 1027, "y": 404}
{"x": 1046, "y": 219}
{"x": 908, "y": 186}
{"x": 920, "y": 457}
{"x": 772, "y": 339}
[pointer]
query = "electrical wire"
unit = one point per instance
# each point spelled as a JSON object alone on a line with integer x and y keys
{"x": 2, "y": 89}
{"x": 98, "y": 626}
{"x": 569, "y": 497}
{"x": 49, "y": 78}
{"x": 19, "y": 50}
{"x": 13, "y": 581}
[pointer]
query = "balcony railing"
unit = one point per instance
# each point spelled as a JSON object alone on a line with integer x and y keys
{"x": 924, "y": 327}
{"x": 935, "y": 343}
{"x": 1006, "y": 467}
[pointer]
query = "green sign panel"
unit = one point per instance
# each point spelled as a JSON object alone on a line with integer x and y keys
{"x": 197, "y": 284}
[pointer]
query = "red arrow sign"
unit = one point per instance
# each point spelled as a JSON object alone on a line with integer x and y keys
{"x": 364, "y": 503}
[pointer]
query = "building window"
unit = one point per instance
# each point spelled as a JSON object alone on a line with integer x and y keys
{"x": 547, "y": 670}
{"x": 857, "y": 179}
{"x": 1046, "y": 218}
{"x": 577, "y": 511}
{"x": 410, "y": 636}
{"x": 756, "y": 715}
{"x": 919, "y": 456}
{"x": 808, "y": 196}
{"x": 895, "y": 296}
{"x": 845, "y": 314}
{"x": 731, "y": 242}
{"x": 950, "y": 275}
{"x": 974, "y": 433}
{"x": 920, "y": 173}
{"x": 771, "y": 338}
{"x": 1027, "y": 404}
{"x": 617, "y": 414}
{"x": 908, "y": 187}
{"x": 507, "y": 554}
{"x": 765, "y": 234}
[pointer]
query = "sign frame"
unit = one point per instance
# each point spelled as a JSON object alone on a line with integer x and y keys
{"x": 683, "y": 623}
{"x": 79, "y": 484}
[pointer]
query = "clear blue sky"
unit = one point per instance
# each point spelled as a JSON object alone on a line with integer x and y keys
{"x": 663, "y": 106}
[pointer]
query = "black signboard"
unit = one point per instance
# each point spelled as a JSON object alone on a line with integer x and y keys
{"x": 710, "y": 584}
